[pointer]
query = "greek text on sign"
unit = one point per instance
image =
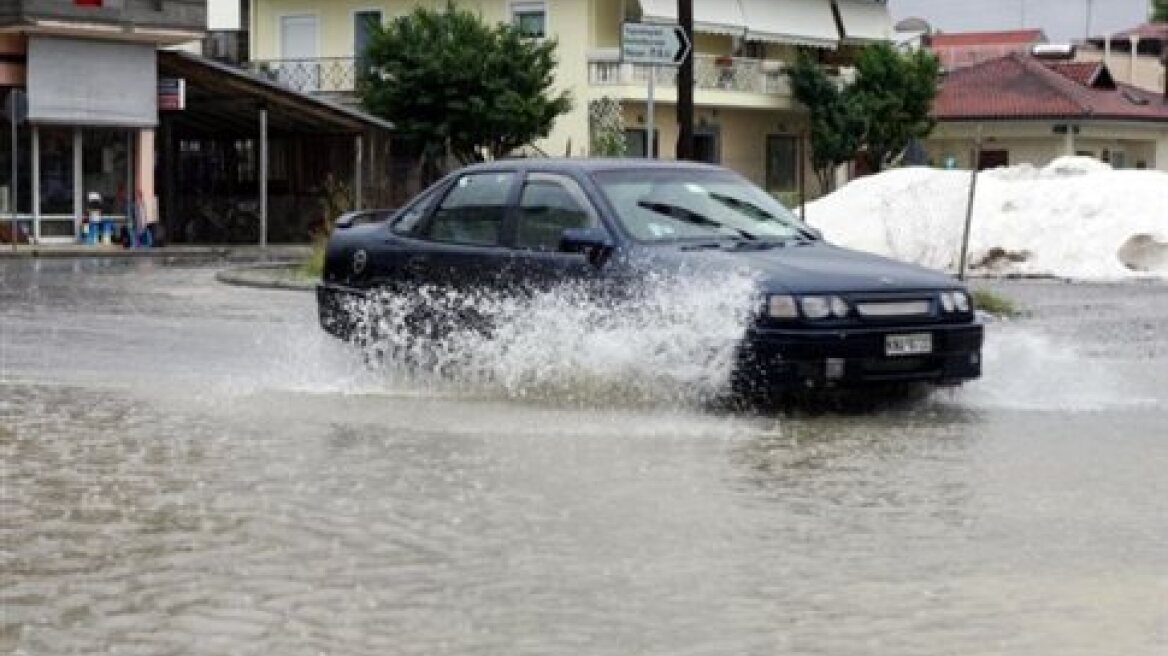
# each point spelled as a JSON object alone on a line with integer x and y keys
{"x": 647, "y": 43}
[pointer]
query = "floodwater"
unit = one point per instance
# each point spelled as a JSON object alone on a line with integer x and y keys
{"x": 190, "y": 468}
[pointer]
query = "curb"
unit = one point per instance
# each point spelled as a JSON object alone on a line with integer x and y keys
{"x": 229, "y": 253}
{"x": 266, "y": 276}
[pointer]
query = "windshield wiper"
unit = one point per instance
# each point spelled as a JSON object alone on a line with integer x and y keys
{"x": 738, "y": 203}
{"x": 689, "y": 216}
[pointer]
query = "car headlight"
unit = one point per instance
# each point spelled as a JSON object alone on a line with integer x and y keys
{"x": 815, "y": 307}
{"x": 782, "y": 307}
{"x": 840, "y": 307}
{"x": 955, "y": 301}
{"x": 962, "y": 302}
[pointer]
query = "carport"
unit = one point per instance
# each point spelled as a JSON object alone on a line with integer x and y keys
{"x": 245, "y": 160}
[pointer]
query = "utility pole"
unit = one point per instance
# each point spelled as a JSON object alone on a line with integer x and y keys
{"x": 685, "y": 85}
{"x": 1090, "y": 7}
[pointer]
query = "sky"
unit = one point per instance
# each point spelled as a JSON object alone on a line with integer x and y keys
{"x": 1062, "y": 20}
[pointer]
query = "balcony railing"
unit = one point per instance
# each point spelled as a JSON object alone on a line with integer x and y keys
{"x": 737, "y": 74}
{"x": 322, "y": 75}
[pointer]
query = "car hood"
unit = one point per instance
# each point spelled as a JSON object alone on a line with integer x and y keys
{"x": 809, "y": 268}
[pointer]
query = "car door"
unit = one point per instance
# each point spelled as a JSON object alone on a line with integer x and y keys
{"x": 460, "y": 243}
{"x": 549, "y": 204}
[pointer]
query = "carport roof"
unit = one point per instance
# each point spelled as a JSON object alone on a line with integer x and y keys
{"x": 224, "y": 100}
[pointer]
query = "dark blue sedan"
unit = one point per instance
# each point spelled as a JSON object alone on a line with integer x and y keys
{"x": 826, "y": 316}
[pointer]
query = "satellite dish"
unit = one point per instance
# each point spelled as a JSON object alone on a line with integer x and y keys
{"x": 914, "y": 24}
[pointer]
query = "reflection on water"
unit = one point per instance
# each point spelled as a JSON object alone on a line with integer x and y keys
{"x": 306, "y": 524}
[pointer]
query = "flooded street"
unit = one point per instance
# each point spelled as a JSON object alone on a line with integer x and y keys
{"x": 192, "y": 468}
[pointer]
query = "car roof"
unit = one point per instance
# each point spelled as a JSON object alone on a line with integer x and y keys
{"x": 586, "y": 165}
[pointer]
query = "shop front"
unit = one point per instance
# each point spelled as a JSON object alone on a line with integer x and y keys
{"x": 84, "y": 152}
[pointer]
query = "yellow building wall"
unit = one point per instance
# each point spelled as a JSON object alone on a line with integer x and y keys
{"x": 570, "y": 21}
{"x": 581, "y": 27}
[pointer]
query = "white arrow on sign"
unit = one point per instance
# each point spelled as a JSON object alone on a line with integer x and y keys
{"x": 653, "y": 44}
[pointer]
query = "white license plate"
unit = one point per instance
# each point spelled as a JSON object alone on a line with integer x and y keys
{"x": 913, "y": 344}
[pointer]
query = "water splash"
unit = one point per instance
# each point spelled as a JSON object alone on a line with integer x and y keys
{"x": 1027, "y": 370}
{"x": 671, "y": 339}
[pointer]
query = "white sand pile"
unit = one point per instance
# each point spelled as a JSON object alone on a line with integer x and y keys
{"x": 1076, "y": 218}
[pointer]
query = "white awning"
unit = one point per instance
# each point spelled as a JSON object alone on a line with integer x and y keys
{"x": 710, "y": 16}
{"x": 795, "y": 22}
{"x": 865, "y": 21}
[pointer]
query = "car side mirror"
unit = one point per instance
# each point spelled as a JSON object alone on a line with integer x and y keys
{"x": 594, "y": 243}
{"x": 815, "y": 233}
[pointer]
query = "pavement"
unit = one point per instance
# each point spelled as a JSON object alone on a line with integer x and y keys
{"x": 229, "y": 253}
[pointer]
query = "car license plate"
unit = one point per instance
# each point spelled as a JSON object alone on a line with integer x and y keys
{"x": 913, "y": 344}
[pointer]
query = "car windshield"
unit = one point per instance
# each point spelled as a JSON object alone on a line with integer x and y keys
{"x": 694, "y": 204}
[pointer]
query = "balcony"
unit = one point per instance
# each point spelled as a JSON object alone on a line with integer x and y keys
{"x": 711, "y": 73}
{"x": 327, "y": 75}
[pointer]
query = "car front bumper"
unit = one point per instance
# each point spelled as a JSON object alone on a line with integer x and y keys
{"x": 851, "y": 357}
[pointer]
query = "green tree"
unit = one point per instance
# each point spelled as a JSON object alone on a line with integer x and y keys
{"x": 1160, "y": 11}
{"x": 452, "y": 84}
{"x": 835, "y": 130}
{"x": 893, "y": 95}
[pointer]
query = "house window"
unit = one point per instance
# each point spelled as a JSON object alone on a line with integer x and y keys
{"x": 782, "y": 159}
{"x": 365, "y": 24}
{"x": 993, "y": 159}
{"x": 530, "y": 18}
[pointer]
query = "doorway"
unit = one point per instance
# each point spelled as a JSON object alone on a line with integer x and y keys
{"x": 299, "y": 52}
{"x": 708, "y": 146}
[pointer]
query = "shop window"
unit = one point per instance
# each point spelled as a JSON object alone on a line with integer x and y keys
{"x": 782, "y": 162}
{"x": 530, "y": 18}
{"x": 56, "y": 183}
{"x": 105, "y": 156}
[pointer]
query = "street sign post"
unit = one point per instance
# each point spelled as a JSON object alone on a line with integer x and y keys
{"x": 653, "y": 45}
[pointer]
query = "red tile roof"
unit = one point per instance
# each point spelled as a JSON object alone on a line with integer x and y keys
{"x": 1020, "y": 87}
{"x": 1005, "y": 37}
{"x": 1084, "y": 73}
{"x": 1145, "y": 31}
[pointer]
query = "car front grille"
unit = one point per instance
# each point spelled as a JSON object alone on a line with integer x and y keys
{"x": 893, "y": 309}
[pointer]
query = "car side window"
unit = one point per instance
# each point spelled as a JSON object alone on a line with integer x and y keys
{"x": 407, "y": 222}
{"x": 548, "y": 206}
{"x": 473, "y": 210}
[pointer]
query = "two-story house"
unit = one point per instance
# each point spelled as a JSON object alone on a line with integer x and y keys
{"x": 745, "y": 115}
{"x": 1138, "y": 56}
{"x": 82, "y": 76}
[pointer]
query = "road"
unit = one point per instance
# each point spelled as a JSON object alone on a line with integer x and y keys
{"x": 191, "y": 468}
